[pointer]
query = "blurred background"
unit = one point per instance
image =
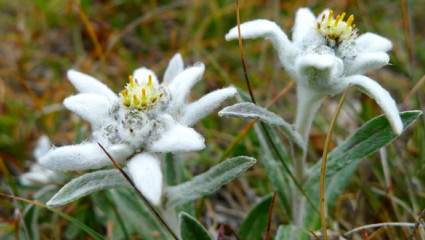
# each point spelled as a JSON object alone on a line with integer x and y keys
{"x": 41, "y": 39}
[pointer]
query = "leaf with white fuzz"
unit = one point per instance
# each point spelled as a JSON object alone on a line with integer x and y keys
{"x": 145, "y": 171}
{"x": 373, "y": 135}
{"x": 175, "y": 67}
{"x": 86, "y": 184}
{"x": 268, "y": 30}
{"x": 201, "y": 108}
{"x": 370, "y": 42}
{"x": 88, "y": 84}
{"x": 191, "y": 229}
{"x": 382, "y": 98}
{"x": 252, "y": 111}
{"x": 92, "y": 108}
{"x": 84, "y": 156}
{"x": 208, "y": 182}
{"x": 43, "y": 146}
{"x": 368, "y": 61}
{"x": 304, "y": 24}
{"x": 178, "y": 139}
{"x": 142, "y": 75}
{"x": 182, "y": 84}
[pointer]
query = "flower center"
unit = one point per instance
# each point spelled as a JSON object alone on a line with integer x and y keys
{"x": 141, "y": 96}
{"x": 337, "y": 30}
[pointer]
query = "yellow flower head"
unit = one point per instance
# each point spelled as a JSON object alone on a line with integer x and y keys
{"x": 141, "y": 96}
{"x": 336, "y": 28}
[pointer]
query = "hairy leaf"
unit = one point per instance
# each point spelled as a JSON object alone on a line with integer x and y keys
{"x": 208, "y": 182}
{"x": 86, "y": 184}
{"x": 191, "y": 229}
{"x": 255, "y": 223}
{"x": 252, "y": 111}
{"x": 373, "y": 135}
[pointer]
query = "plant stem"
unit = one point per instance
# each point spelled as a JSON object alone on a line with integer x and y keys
{"x": 307, "y": 106}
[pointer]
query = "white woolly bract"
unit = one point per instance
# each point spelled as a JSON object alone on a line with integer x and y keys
{"x": 92, "y": 108}
{"x": 178, "y": 139}
{"x": 201, "y": 108}
{"x": 145, "y": 171}
{"x": 175, "y": 66}
{"x": 43, "y": 146}
{"x": 84, "y": 156}
{"x": 88, "y": 84}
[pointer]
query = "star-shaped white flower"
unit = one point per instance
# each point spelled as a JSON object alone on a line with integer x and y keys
{"x": 145, "y": 119}
{"x": 324, "y": 57}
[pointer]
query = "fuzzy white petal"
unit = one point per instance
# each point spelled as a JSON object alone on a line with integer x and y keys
{"x": 183, "y": 83}
{"x": 268, "y": 30}
{"x": 370, "y": 42}
{"x": 88, "y": 84}
{"x": 43, "y": 146}
{"x": 305, "y": 23}
{"x": 365, "y": 62}
{"x": 175, "y": 67}
{"x": 382, "y": 98}
{"x": 142, "y": 75}
{"x": 178, "y": 139}
{"x": 197, "y": 110}
{"x": 40, "y": 175}
{"x": 145, "y": 171}
{"x": 320, "y": 73}
{"x": 92, "y": 108}
{"x": 84, "y": 156}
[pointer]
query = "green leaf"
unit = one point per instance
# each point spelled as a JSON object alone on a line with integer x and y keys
{"x": 286, "y": 232}
{"x": 208, "y": 182}
{"x": 274, "y": 169}
{"x": 251, "y": 111}
{"x": 191, "y": 229}
{"x": 86, "y": 184}
{"x": 373, "y": 135}
{"x": 81, "y": 225}
{"x": 255, "y": 223}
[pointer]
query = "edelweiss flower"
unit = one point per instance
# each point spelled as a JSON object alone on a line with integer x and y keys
{"x": 37, "y": 173}
{"x": 146, "y": 118}
{"x": 324, "y": 57}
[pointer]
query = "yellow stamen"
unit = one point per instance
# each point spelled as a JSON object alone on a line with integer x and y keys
{"x": 135, "y": 99}
{"x": 342, "y": 16}
{"x": 350, "y": 21}
{"x": 161, "y": 94}
{"x": 154, "y": 99}
{"x": 130, "y": 79}
{"x": 150, "y": 80}
{"x": 135, "y": 80}
{"x": 143, "y": 93}
{"x": 337, "y": 20}
{"x": 331, "y": 12}
{"x": 354, "y": 26}
{"x": 124, "y": 93}
{"x": 323, "y": 17}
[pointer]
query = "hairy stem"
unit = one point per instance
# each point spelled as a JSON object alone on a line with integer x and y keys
{"x": 307, "y": 106}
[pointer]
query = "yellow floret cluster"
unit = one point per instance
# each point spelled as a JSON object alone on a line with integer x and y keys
{"x": 336, "y": 28}
{"x": 141, "y": 95}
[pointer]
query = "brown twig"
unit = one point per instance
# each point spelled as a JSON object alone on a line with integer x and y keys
{"x": 159, "y": 217}
{"x": 416, "y": 225}
{"x": 314, "y": 235}
{"x": 323, "y": 169}
{"x": 89, "y": 28}
{"x": 270, "y": 216}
